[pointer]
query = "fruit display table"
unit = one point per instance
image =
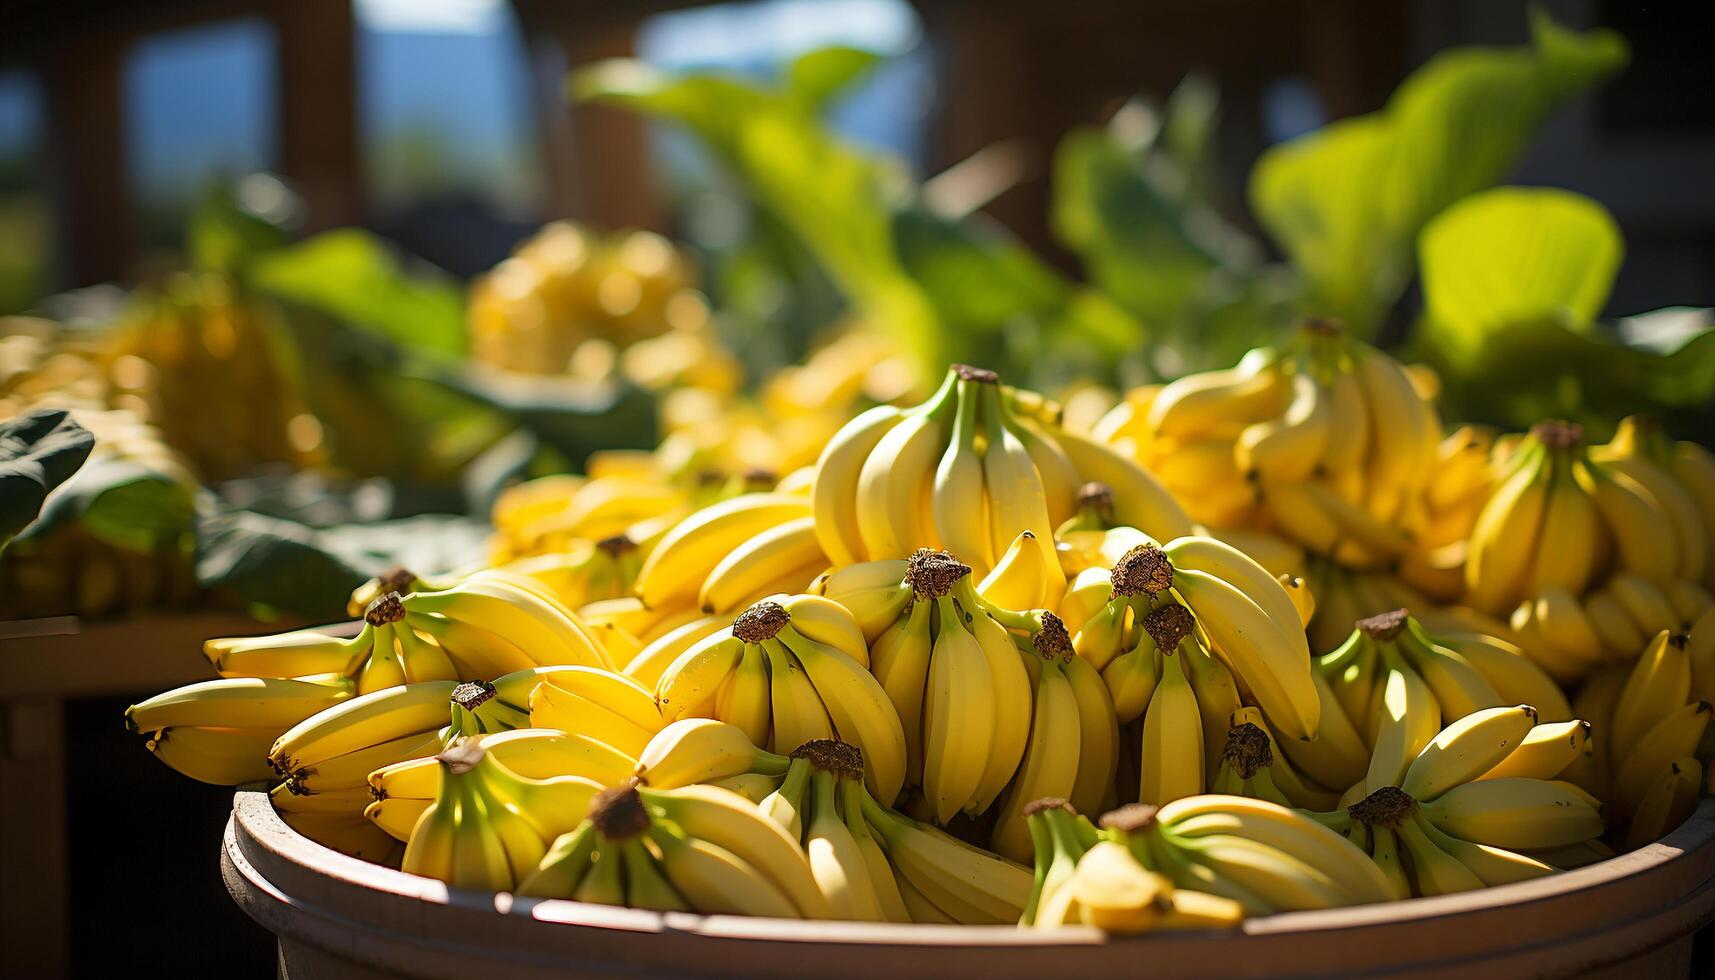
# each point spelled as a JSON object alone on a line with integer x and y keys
{"x": 45, "y": 663}
{"x": 1633, "y": 915}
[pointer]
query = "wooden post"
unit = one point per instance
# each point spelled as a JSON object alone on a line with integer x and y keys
{"x": 612, "y": 182}
{"x": 318, "y": 140}
{"x": 86, "y": 139}
{"x": 34, "y": 898}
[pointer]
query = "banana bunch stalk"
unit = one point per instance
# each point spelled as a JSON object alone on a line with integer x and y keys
{"x": 819, "y": 803}
{"x": 1228, "y": 608}
{"x": 1459, "y": 485}
{"x": 694, "y": 849}
{"x": 967, "y": 471}
{"x": 1262, "y": 857}
{"x": 1649, "y": 724}
{"x": 1397, "y": 685}
{"x": 1252, "y": 765}
{"x": 1082, "y": 878}
{"x": 489, "y": 827}
{"x": 732, "y": 553}
{"x": 1345, "y": 595}
{"x": 791, "y": 669}
{"x": 1588, "y": 560}
{"x": 1480, "y": 804}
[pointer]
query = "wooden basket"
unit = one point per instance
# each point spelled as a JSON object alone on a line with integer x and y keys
{"x": 336, "y": 916}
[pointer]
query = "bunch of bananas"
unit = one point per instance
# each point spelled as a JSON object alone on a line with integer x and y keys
{"x": 198, "y": 360}
{"x": 569, "y": 300}
{"x": 1326, "y": 439}
{"x": 1649, "y": 721}
{"x": 967, "y": 471}
{"x": 1459, "y": 486}
{"x": 730, "y": 554}
{"x": 1395, "y": 685}
{"x": 1202, "y": 861}
{"x": 789, "y": 670}
{"x": 1474, "y": 804}
{"x": 1588, "y": 560}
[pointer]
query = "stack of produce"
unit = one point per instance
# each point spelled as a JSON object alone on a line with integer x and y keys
{"x": 870, "y": 693}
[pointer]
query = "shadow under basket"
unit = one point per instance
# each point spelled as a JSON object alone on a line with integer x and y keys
{"x": 335, "y": 916}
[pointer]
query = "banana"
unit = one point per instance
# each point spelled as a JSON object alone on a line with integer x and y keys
{"x": 714, "y": 880}
{"x": 1172, "y": 755}
{"x": 1515, "y": 813}
{"x": 1572, "y": 538}
{"x": 1222, "y": 560}
{"x": 896, "y": 479}
{"x": 1288, "y": 448}
{"x": 834, "y": 489}
{"x": 687, "y": 555}
{"x": 1690, "y": 600}
{"x": 353, "y": 768}
{"x": 1434, "y": 871}
{"x": 363, "y": 721}
{"x": 1674, "y": 500}
{"x": 1644, "y": 602}
{"x": 969, "y": 884}
{"x": 652, "y": 661}
{"x": 1545, "y": 751}
{"x": 1505, "y": 537}
{"x": 1408, "y": 720}
{"x": 875, "y": 592}
{"x": 957, "y": 502}
{"x": 788, "y": 551}
{"x": 557, "y": 708}
{"x": 1349, "y": 440}
{"x": 1020, "y": 580}
{"x": 548, "y": 635}
{"x": 1492, "y": 865}
{"x": 1644, "y": 536}
{"x": 1673, "y": 737}
{"x": 1060, "y": 479}
{"x": 698, "y": 750}
{"x": 1460, "y": 689}
{"x": 728, "y": 821}
{"x": 1016, "y": 498}
{"x": 475, "y": 651}
{"x": 1263, "y": 652}
{"x": 396, "y": 816}
{"x": 743, "y": 699}
{"x": 1283, "y": 829}
{"x": 839, "y": 867}
{"x": 1659, "y": 683}
{"x": 240, "y": 702}
{"x": 220, "y": 756}
{"x": 689, "y": 684}
{"x": 860, "y": 710}
{"x": 799, "y": 713}
{"x": 1049, "y": 768}
{"x": 1012, "y": 711}
{"x": 1139, "y": 500}
{"x": 900, "y": 662}
{"x": 1694, "y": 466}
{"x": 1404, "y": 433}
{"x": 1466, "y": 749}
{"x": 1667, "y": 802}
{"x": 958, "y": 720}
{"x": 753, "y": 786}
{"x": 1216, "y": 403}
{"x": 294, "y": 654}
{"x": 1098, "y": 747}
{"x": 1337, "y": 756}
{"x": 1564, "y": 627}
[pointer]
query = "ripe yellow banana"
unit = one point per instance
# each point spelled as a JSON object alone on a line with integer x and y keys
{"x": 240, "y": 702}
{"x": 679, "y": 565}
{"x": 833, "y": 493}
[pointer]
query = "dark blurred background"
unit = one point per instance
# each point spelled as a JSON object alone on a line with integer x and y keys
{"x": 442, "y": 123}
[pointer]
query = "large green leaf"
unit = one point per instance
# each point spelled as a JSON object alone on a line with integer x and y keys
{"x": 223, "y": 235}
{"x": 1514, "y": 254}
{"x": 38, "y": 452}
{"x": 1513, "y": 281}
{"x": 816, "y": 77}
{"x": 290, "y": 566}
{"x": 353, "y": 276}
{"x": 1345, "y": 203}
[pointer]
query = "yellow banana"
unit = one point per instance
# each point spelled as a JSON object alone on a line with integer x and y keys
{"x": 1643, "y": 534}
{"x": 221, "y": 756}
{"x": 746, "y": 574}
{"x": 956, "y": 500}
{"x": 834, "y": 491}
{"x": 363, "y": 721}
{"x": 240, "y": 702}
{"x": 1288, "y": 448}
{"x": 685, "y": 558}
{"x": 1466, "y": 749}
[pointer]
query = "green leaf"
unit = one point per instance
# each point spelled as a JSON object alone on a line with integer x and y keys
{"x": 128, "y": 504}
{"x": 815, "y": 78}
{"x": 311, "y": 571}
{"x": 352, "y": 276}
{"x": 837, "y": 200}
{"x": 38, "y": 452}
{"x": 976, "y": 276}
{"x": 1346, "y": 202}
{"x": 222, "y": 235}
{"x": 1515, "y": 254}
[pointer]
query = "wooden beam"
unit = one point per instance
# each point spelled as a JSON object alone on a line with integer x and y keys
{"x": 318, "y": 108}
{"x": 93, "y": 235}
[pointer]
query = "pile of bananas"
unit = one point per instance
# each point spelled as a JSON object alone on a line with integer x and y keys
{"x": 888, "y": 685}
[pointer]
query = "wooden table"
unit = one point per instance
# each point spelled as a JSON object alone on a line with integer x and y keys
{"x": 43, "y": 664}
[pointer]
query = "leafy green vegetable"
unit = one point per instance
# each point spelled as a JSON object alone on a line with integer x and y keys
{"x": 1513, "y": 281}
{"x": 1346, "y": 202}
{"x": 38, "y": 452}
{"x": 352, "y": 276}
{"x": 290, "y": 566}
